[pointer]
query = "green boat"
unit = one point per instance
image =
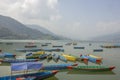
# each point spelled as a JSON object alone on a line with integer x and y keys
{"x": 93, "y": 68}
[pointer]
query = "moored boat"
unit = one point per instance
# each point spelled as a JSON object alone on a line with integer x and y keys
{"x": 93, "y": 68}
{"x": 55, "y": 57}
{"x": 62, "y": 58}
{"x": 69, "y": 57}
{"x": 28, "y": 76}
{"x": 18, "y": 60}
{"x": 58, "y": 66}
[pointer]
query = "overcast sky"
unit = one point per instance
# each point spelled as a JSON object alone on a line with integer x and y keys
{"x": 78, "y": 19}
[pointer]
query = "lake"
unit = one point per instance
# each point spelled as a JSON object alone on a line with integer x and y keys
{"x": 111, "y": 57}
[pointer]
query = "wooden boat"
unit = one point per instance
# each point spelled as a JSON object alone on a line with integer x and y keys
{"x": 29, "y": 50}
{"x": 7, "y": 55}
{"x": 32, "y": 57}
{"x": 28, "y": 76}
{"x": 38, "y": 53}
{"x": 43, "y": 56}
{"x": 55, "y": 57}
{"x": 58, "y": 66}
{"x": 62, "y": 58}
{"x": 57, "y": 46}
{"x": 69, "y": 58}
{"x": 49, "y": 57}
{"x": 18, "y": 60}
{"x": 77, "y": 47}
{"x": 57, "y": 49}
{"x": 98, "y": 50}
{"x": 84, "y": 58}
{"x": 93, "y": 68}
{"x": 97, "y": 57}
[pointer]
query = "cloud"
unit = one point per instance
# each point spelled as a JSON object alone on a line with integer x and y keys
{"x": 30, "y": 9}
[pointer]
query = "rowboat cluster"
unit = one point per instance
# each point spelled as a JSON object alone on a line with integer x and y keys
{"x": 34, "y": 69}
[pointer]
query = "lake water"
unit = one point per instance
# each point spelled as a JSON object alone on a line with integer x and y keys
{"x": 111, "y": 57}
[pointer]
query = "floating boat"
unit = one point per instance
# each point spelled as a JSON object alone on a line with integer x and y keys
{"x": 57, "y": 46}
{"x": 84, "y": 58}
{"x": 30, "y": 46}
{"x": 98, "y": 50}
{"x": 18, "y": 60}
{"x": 93, "y": 68}
{"x": 58, "y": 66}
{"x": 79, "y": 47}
{"x": 69, "y": 57}
{"x": 28, "y": 76}
{"x": 7, "y": 55}
{"x": 55, "y": 57}
{"x": 43, "y": 56}
{"x": 32, "y": 57}
{"x": 92, "y": 59}
{"x": 38, "y": 53}
{"x": 58, "y": 49}
{"x": 110, "y": 46}
{"x": 49, "y": 57}
{"x": 44, "y": 45}
{"x": 97, "y": 57}
{"x": 62, "y": 58}
{"x": 29, "y": 50}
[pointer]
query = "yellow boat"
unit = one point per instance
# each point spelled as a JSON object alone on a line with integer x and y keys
{"x": 97, "y": 57}
{"x": 38, "y": 53}
{"x": 69, "y": 57}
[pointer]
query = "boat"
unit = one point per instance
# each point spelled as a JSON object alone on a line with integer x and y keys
{"x": 30, "y": 45}
{"x": 32, "y": 57}
{"x": 57, "y": 49}
{"x": 18, "y": 60}
{"x": 62, "y": 58}
{"x": 29, "y": 50}
{"x": 84, "y": 58}
{"x": 77, "y": 47}
{"x": 55, "y": 57}
{"x": 49, "y": 57}
{"x": 93, "y": 59}
{"x": 98, "y": 50}
{"x": 69, "y": 57}
{"x": 97, "y": 57}
{"x": 28, "y": 76}
{"x": 7, "y": 55}
{"x": 93, "y": 68}
{"x": 57, "y": 46}
{"x": 38, "y": 53}
{"x": 43, "y": 56}
{"x": 58, "y": 66}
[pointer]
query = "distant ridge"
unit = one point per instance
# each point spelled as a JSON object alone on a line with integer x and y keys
{"x": 110, "y": 37}
{"x": 13, "y": 29}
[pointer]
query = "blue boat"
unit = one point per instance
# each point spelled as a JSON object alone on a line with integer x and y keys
{"x": 77, "y": 47}
{"x": 7, "y": 55}
{"x": 98, "y": 50}
{"x": 18, "y": 60}
{"x": 91, "y": 59}
{"x": 49, "y": 57}
{"x": 58, "y": 66}
{"x": 55, "y": 57}
{"x": 43, "y": 56}
{"x": 29, "y": 50}
{"x": 28, "y": 76}
{"x": 62, "y": 58}
{"x": 84, "y": 58}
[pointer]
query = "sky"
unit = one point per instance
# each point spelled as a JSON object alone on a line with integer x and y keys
{"x": 76, "y": 19}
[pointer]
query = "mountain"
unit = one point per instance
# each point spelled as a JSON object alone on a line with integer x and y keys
{"x": 109, "y": 37}
{"x": 41, "y": 29}
{"x": 13, "y": 29}
{"x": 46, "y": 31}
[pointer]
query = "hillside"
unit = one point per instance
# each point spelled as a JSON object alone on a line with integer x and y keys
{"x": 12, "y": 29}
{"x": 109, "y": 37}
